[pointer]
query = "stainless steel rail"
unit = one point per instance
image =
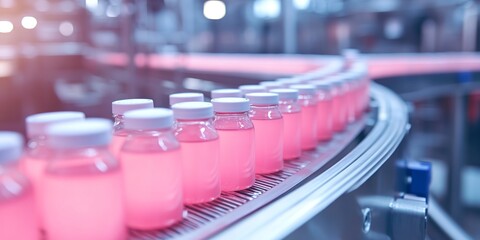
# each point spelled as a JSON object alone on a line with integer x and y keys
{"x": 278, "y": 203}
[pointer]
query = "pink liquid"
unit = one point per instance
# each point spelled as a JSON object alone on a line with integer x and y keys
{"x": 117, "y": 142}
{"x": 33, "y": 169}
{"x": 339, "y": 113}
{"x": 17, "y": 220}
{"x": 350, "y": 97}
{"x": 292, "y": 126}
{"x": 153, "y": 188}
{"x": 237, "y": 159}
{"x": 84, "y": 206}
{"x": 324, "y": 120}
{"x": 309, "y": 127}
{"x": 268, "y": 145}
{"x": 201, "y": 171}
{"x": 336, "y": 123}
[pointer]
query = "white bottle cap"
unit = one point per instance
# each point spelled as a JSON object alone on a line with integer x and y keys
{"x": 148, "y": 119}
{"x": 305, "y": 89}
{"x": 90, "y": 132}
{"x": 185, "y": 97}
{"x": 252, "y": 89}
{"x": 121, "y": 106}
{"x": 337, "y": 80}
{"x": 322, "y": 85}
{"x": 228, "y": 92}
{"x": 11, "y": 146}
{"x": 269, "y": 85}
{"x": 262, "y": 98}
{"x": 37, "y": 124}
{"x": 286, "y": 93}
{"x": 192, "y": 110}
{"x": 224, "y": 105}
{"x": 286, "y": 82}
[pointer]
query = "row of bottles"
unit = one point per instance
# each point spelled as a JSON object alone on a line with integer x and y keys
{"x": 77, "y": 180}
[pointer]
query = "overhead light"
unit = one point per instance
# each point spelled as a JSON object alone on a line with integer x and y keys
{"x": 29, "y": 22}
{"x": 214, "y": 9}
{"x": 267, "y": 8}
{"x": 6, "y": 26}
{"x": 301, "y": 4}
{"x": 91, "y": 4}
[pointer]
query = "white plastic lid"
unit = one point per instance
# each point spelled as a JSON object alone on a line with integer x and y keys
{"x": 185, "y": 97}
{"x": 121, "y": 106}
{"x": 192, "y": 110}
{"x": 227, "y": 92}
{"x": 337, "y": 80}
{"x": 11, "y": 146}
{"x": 286, "y": 93}
{"x": 269, "y": 85}
{"x": 322, "y": 85}
{"x": 231, "y": 104}
{"x": 37, "y": 124}
{"x": 252, "y": 89}
{"x": 305, "y": 89}
{"x": 350, "y": 53}
{"x": 288, "y": 81}
{"x": 262, "y": 98}
{"x": 90, "y": 132}
{"x": 148, "y": 119}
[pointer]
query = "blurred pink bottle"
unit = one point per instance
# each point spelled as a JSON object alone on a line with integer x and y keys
{"x": 82, "y": 186}
{"x": 200, "y": 151}
{"x": 270, "y": 85}
{"x": 17, "y": 205}
{"x": 37, "y": 154}
{"x": 268, "y": 123}
{"x": 307, "y": 99}
{"x": 118, "y": 109}
{"x": 324, "y": 110}
{"x": 292, "y": 122}
{"x": 237, "y": 143}
{"x": 152, "y": 169}
{"x": 338, "y": 101}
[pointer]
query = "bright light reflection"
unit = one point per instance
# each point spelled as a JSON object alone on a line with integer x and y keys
{"x": 301, "y": 4}
{"x": 267, "y": 8}
{"x": 214, "y": 9}
{"x": 6, "y": 26}
{"x": 29, "y": 22}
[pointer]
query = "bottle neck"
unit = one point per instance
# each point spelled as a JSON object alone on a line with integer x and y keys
{"x": 289, "y": 106}
{"x": 231, "y": 114}
{"x": 37, "y": 142}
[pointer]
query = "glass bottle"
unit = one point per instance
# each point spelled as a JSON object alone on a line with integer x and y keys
{"x": 37, "y": 152}
{"x": 152, "y": 169}
{"x": 268, "y": 123}
{"x": 292, "y": 122}
{"x": 17, "y": 205}
{"x": 82, "y": 186}
{"x": 237, "y": 143}
{"x": 200, "y": 151}
{"x": 308, "y": 101}
{"x": 118, "y": 109}
{"x": 324, "y": 110}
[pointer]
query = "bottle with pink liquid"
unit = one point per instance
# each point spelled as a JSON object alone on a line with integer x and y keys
{"x": 237, "y": 143}
{"x": 37, "y": 153}
{"x": 292, "y": 122}
{"x": 185, "y": 97}
{"x": 152, "y": 169}
{"x": 339, "y": 109}
{"x": 200, "y": 151}
{"x": 268, "y": 123}
{"x": 118, "y": 109}
{"x": 82, "y": 186}
{"x": 227, "y": 92}
{"x": 307, "y": 98}
{"x": 324, "y": 110}
{"x": 17, "y": 206}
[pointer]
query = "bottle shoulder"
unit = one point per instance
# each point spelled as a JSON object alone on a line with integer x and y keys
{"x": 151, "y": 142}
{"x": 195, "y": 132}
